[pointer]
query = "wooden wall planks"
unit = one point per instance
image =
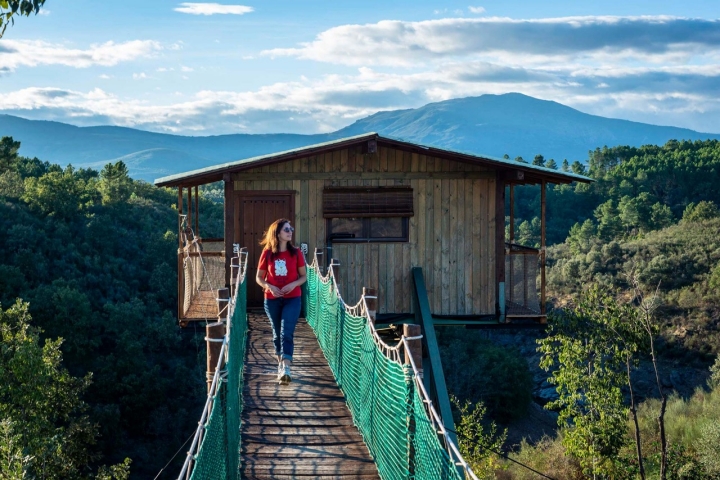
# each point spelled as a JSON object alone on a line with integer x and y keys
{"x": 452, "y": 235}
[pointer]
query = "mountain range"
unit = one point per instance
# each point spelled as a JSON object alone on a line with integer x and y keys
{"x": 513, "y": 124}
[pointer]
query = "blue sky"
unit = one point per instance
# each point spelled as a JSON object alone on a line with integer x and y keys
{"x": 204, "y": 68}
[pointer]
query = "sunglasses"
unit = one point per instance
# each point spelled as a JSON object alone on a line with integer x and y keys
{"x": 288, "y": 229}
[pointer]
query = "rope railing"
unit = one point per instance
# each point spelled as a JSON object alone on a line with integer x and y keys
{"x": 215, "y": 448}
{"x": 386, "y": 396}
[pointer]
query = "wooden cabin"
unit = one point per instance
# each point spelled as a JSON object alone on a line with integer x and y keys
{"x": 380, "y": 206}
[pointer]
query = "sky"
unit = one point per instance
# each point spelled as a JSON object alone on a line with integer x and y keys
{"x": 311, "y": 66}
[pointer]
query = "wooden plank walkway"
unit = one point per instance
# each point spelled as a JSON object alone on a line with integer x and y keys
{"x": 303, "y": 429}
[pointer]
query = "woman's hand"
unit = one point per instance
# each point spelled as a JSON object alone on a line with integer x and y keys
{"x": 288, "y": 288}
{"x": 275, "y": 291}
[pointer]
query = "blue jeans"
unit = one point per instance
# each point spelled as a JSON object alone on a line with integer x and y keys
{"x": 283, "y": 314}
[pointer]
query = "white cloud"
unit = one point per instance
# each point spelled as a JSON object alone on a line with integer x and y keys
{"x": 476, "y": 9}
{"x": 212, "y": 9}
{"x": 139, "y": 76}
{"x": 186, "y": 69}
{"x": 44, "y": 12}
{"x": 333, "y": 101}
{"x": 104, "y": 76}
{"x": 33, "y": 53}
{"x": 393, "y": 42}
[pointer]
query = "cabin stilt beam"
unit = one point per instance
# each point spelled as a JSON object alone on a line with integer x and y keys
{"x": 542, "y": 247}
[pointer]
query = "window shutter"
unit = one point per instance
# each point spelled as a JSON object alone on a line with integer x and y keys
{"x": 353, "y": 202}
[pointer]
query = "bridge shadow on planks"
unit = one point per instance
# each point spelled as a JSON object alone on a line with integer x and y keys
{"x": 299, "y": 430}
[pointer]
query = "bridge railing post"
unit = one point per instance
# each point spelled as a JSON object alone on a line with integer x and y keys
{"x": 414, "y": 352}
{"x": 214, "y": 334}
{"x": 320, "y": 260}
{"x": 371, "y": 300}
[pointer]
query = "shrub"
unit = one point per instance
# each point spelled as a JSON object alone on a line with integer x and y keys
{"x": 478, "y": 371}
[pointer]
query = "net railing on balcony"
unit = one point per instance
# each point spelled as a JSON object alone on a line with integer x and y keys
{"x": 521, "y": 272}
{"x": 202, "y": 271}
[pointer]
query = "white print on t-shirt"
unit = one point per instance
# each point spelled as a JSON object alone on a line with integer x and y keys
{"x": 280, "y": 268}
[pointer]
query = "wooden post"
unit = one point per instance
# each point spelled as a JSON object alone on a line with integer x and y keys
{"x": 214, "y": 333}
{"x": 229, "y": 205}
{"x": 414, "y": 351}
{"x": 319, "y": 256}
{"x": 500, "y": 245}
{"x": 512, "y": 213}
{"x": 190, "y": 208}
{"x": 542, "y": 248}
{"x": 371, "y": 301}
{"x": 181, "y": 271}
{"x": 415, "y": 346}
{"x": 197, "y": 211}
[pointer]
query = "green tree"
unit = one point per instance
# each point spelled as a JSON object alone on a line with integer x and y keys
{"x": 580, "y": 236}
{"x": 578, "y": 168}
{"x": 539, "y": 160}
{"x": 60, "y": 194}
{"x": 588, "y": 367}
{"x": 45, "y": 431}
{"x": 115, "y": 184}
{"x": 520, "y": 159}
{"x": 551, "y": 164}
{"x": 565, "y": 166}
{"x": 478, "y": 438}
{"x": 10, "y": 8}
{"x": 704, "y": 210}
{"x": 609, "y": 223}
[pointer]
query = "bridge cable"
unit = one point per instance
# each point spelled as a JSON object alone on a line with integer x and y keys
{"x": 505, "y": 456}
{"x": 173, "y": 457}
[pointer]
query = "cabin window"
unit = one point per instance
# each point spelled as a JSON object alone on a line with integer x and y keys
{"x": 368, "y": 214}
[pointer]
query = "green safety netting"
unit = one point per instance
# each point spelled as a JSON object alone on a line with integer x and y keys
{"x": 219, "y": 454}
{"x": 380, "y": 392}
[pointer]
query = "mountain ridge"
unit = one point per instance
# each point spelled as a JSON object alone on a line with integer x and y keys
{"x": 512, "y": 123}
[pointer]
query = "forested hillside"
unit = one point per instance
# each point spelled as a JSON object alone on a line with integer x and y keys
{"x": 94, "y": 255}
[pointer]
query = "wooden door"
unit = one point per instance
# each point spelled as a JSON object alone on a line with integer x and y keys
{"x": 256, "y": 210}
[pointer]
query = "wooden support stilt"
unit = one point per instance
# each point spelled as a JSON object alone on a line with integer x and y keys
{"x": 371, "y": 301}
{"x": 542, "y": 250}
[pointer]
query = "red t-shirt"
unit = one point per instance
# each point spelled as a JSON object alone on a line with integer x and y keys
{"x": 281, "y": 270}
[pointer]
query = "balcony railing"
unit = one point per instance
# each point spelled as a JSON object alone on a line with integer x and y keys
{"x": 522, "y": 296}
{"x": 202, "y": 271}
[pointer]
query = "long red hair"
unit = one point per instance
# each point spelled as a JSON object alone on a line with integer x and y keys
{"x": 270, "y": 241}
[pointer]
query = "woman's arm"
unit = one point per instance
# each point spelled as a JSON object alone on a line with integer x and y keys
{"x": 302, "y": 278}
{"x": 260, "y": 279}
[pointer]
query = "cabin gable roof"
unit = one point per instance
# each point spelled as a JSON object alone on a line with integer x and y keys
{"x": 515, "y": 172}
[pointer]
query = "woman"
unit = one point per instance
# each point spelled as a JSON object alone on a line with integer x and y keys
{"x": 280, "y": 273}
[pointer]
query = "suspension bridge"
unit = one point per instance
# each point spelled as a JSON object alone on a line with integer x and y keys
{"x": 357, "y": 406}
